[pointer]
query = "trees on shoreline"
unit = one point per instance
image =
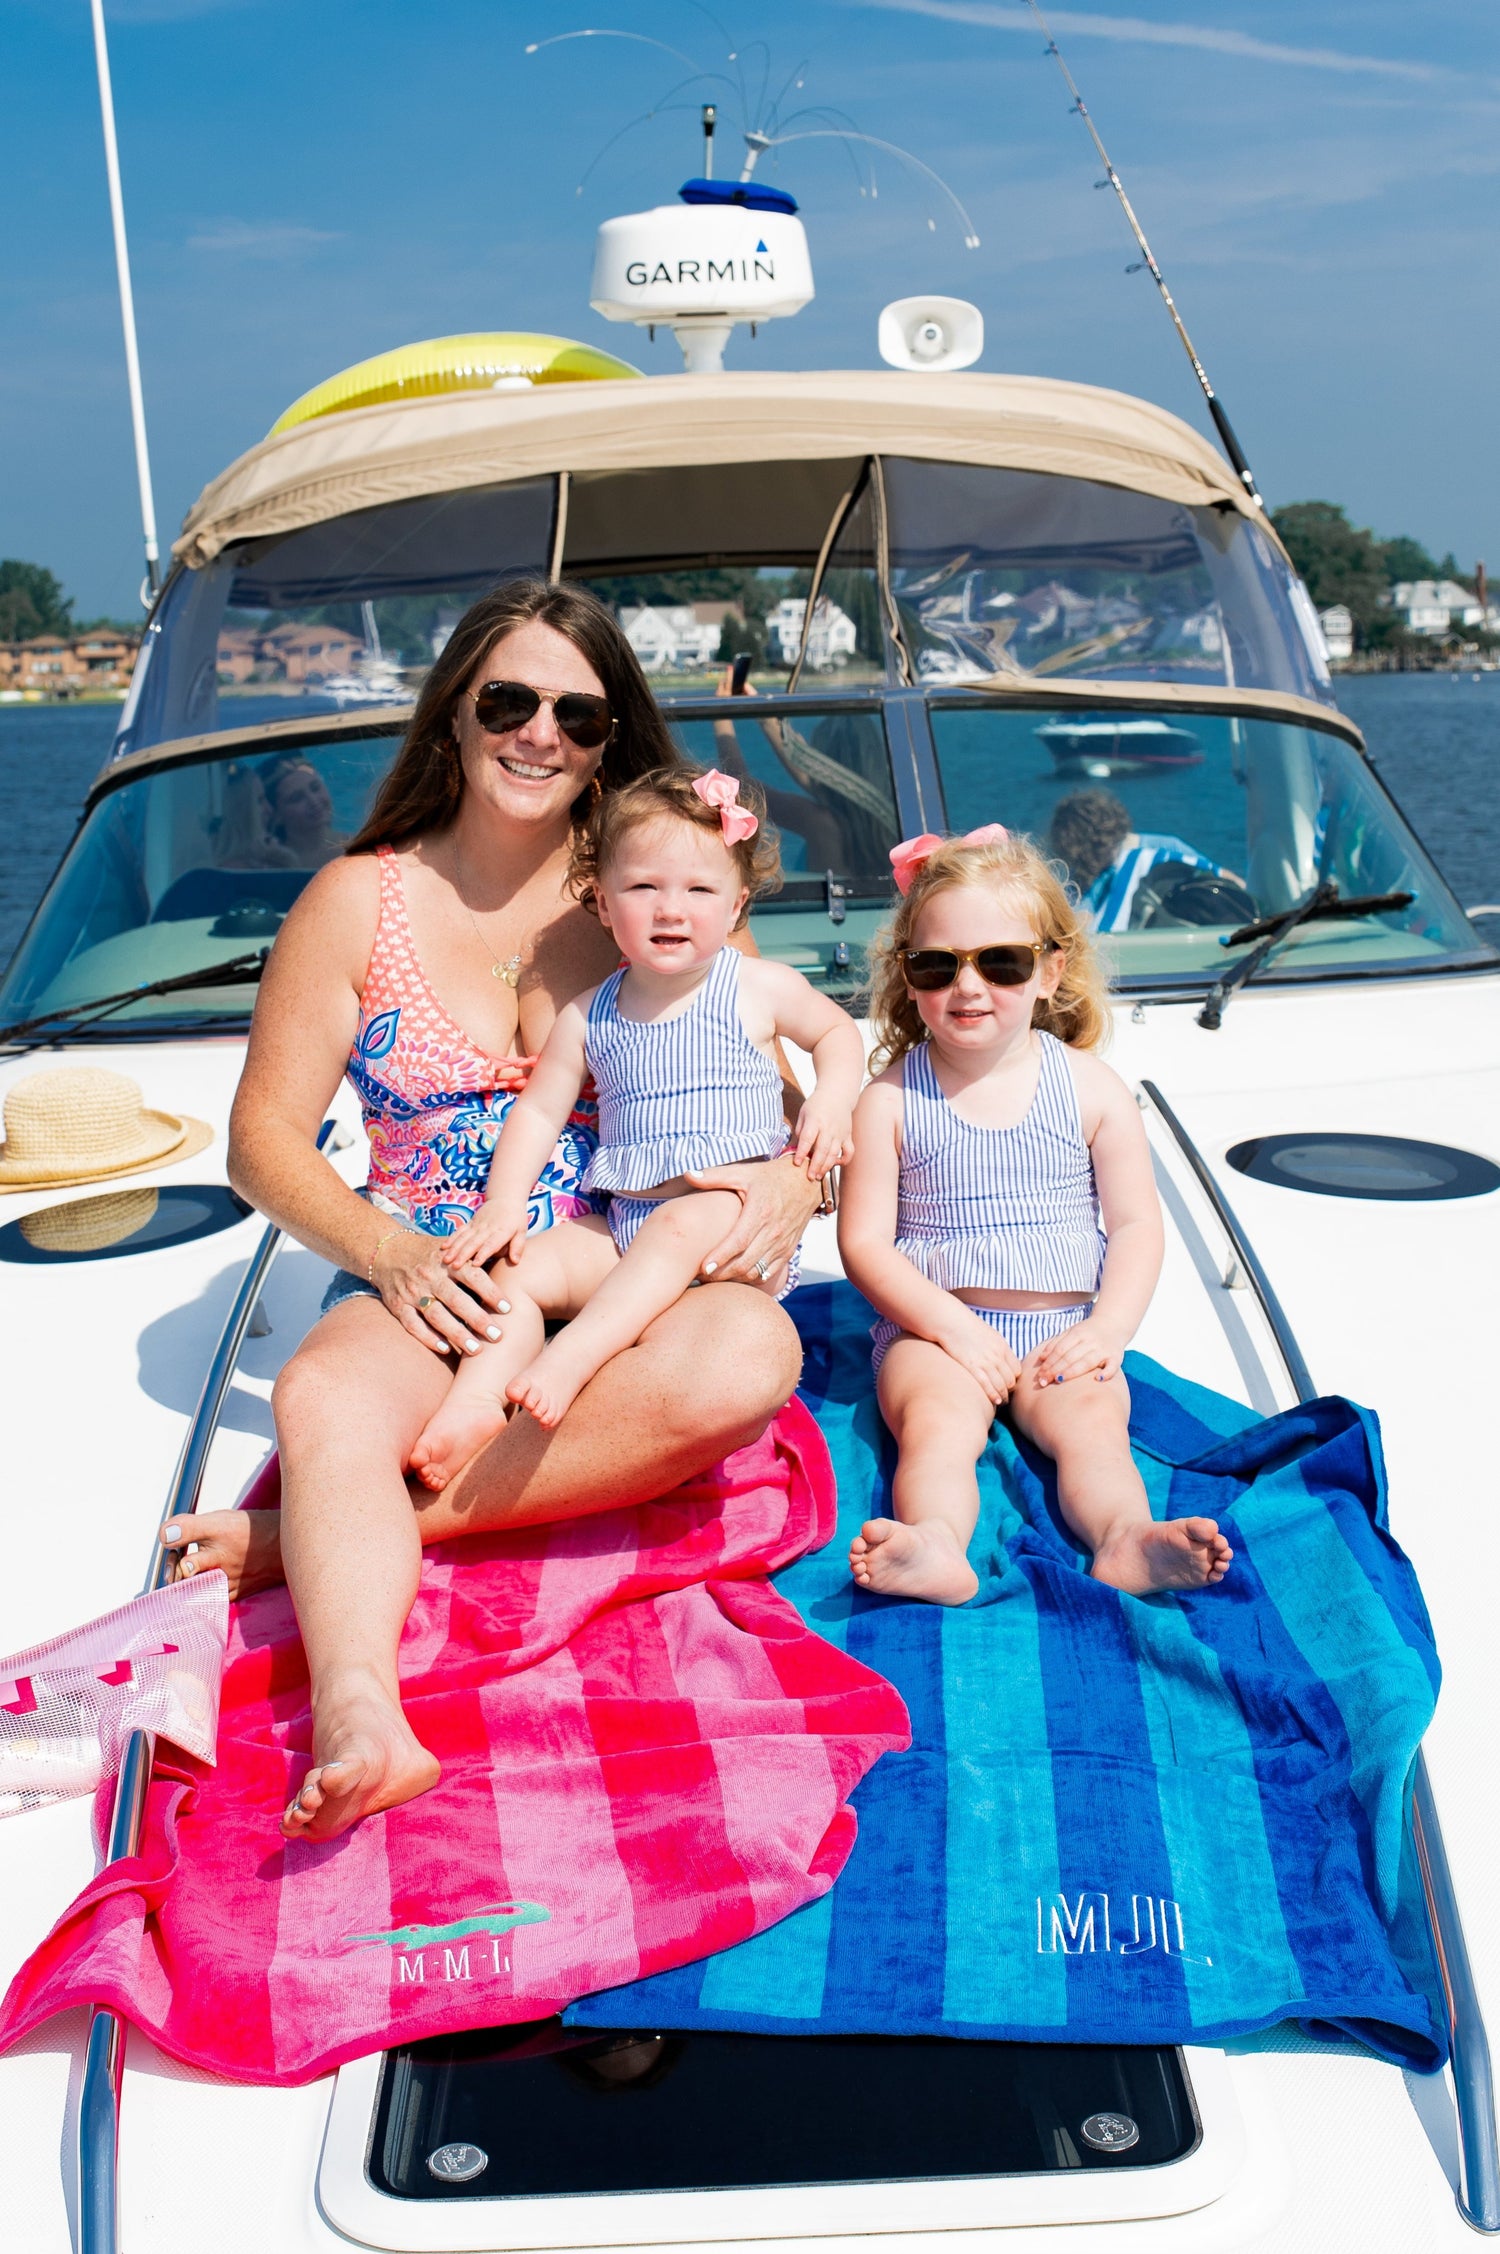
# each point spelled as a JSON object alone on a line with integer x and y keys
{"x": 1347, "y": 563}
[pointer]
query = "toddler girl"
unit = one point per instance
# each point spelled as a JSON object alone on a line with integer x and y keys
{"x": 680, "y": 1044}
{"x": 1001, "y": 1214}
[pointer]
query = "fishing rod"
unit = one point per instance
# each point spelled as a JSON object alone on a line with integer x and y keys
{"x": 1222, "y": 423}
{"x": 152, "y": 585}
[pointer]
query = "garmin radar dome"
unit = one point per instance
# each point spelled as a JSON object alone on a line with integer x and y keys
{"x": 730, "y": 252}
{"x": 931, "y": 333}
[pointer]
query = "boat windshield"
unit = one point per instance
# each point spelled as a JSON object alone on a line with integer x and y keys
{"x": 341, "y": 615}
{"x": 196, "y": 862}
{"x": 1179, "y": 828}
{"x": 925, "y": 570}
{"x": 1013, "y": 572}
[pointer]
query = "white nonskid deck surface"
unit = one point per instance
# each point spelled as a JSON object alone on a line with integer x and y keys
{"x": 1392, "y": 1304}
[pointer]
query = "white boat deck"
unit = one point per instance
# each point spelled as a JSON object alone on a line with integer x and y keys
{"x": 1310, "y": 2149}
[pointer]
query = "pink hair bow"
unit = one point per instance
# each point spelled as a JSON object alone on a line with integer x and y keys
{"x": 716, "y": 789}
{"x": 908, "y": 856}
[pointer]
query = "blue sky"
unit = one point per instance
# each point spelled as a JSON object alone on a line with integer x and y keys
{"x": 309, "y": 183}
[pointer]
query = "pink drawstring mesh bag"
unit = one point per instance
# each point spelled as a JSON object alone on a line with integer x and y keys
{"x": 68, "y": 1706}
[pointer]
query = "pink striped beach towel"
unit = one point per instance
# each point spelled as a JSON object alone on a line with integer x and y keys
{"x": 646, "y": 1756}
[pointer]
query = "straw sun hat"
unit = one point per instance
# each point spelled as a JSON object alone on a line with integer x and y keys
{"x": 83, "y": 1124}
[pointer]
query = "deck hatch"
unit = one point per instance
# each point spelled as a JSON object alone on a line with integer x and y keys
{"x": 1388, "y": 1167}
{"x": 138, "y": 1219}
{"x": 732, "y": 2112}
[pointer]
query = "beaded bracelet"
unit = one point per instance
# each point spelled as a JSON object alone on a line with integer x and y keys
{"x": 374, "y": 1256}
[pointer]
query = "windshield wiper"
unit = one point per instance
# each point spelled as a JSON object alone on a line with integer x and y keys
{"x": 1272, "y": 931}
{"x": 239, "y": 970}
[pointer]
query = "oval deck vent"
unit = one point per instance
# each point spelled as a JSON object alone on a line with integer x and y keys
{"x": 122, "y": 1221}
{"x": 1372, "y": 1166}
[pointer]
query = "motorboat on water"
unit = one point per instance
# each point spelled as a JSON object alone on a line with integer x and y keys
{"x": 1320, "y": 1080}
{"x": 1101, "y": 748}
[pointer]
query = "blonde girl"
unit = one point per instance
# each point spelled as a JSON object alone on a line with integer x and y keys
{"x": 680, "y": 1045}
{"x": 1000, "y": 1214}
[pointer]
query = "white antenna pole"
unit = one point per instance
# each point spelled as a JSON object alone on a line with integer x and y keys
{"x": 127, "y": 302}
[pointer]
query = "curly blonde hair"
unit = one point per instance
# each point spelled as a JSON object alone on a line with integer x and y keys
{"x": 668, "y": 792}
{"x": 1078, "y": 1012}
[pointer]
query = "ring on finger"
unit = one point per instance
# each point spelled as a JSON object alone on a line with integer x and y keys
{"x": 424, "y": 1303}
{"x": 762, "y": 1270}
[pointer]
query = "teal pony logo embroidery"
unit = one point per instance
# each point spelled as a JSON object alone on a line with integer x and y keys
{"x": 501, "y": 1919}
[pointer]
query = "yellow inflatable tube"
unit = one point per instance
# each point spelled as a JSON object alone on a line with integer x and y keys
{"x": 505, "y": 359}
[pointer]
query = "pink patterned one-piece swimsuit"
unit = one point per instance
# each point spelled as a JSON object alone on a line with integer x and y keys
{"x": 434, "y": 1103}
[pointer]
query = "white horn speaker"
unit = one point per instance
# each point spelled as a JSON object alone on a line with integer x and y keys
{"x": 931, "y": 332}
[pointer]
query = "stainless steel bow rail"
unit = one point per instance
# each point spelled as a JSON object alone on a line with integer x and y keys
{"x": 1473, "y": 2078}
{"x": 104, "y": 2056}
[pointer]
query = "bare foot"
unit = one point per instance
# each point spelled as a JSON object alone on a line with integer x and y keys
{"x": 925, "y": 1561}
{"x": 365, "y": 1758}
{"x": 548, "y": 1387}
{"x": 1175, "y": 1553}
{"x": 243, "y": 1544}
{"x": 454, "y": 1434}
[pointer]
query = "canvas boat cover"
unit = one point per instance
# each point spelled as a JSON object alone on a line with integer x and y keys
{"x": 401, "y": 451}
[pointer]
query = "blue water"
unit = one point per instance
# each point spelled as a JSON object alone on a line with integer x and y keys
{"x": 1435, "y": 738}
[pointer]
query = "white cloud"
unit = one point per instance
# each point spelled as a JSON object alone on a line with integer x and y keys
{"x": 1144, "y": 32}
{"x": 242, "y": 238}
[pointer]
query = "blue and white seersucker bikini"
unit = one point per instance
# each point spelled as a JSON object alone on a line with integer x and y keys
{"x": 999, "y": 1208}
{"x": 677, "y": 1094}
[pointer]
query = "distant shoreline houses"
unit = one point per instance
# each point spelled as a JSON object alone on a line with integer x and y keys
{"x": 1437, "y": 606}
{"x": 67, "y": 665}
{"x": 687, "y": 637}
{"x": 296, "y": 654}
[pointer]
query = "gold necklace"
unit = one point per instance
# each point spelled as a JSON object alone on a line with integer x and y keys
{"x": 509, "y": 971}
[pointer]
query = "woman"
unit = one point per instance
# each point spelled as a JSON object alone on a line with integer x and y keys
{"x": 300, "y": 814}
{"x": 430, "y": 963}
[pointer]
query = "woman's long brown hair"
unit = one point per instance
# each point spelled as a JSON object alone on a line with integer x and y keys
{"x": 421, "y": 794}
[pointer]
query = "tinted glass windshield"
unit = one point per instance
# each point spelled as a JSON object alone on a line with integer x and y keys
{"x": 185, "y": 868}
{"x": 345, "y": 614}
{"x": 827, "y": 780}
{"x": 1013, "y": 571}
{"x": 199, "y": 861}
{"x": 1178, "y": 828}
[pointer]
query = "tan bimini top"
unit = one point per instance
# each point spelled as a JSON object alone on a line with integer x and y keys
{"x": 401, "y": 451}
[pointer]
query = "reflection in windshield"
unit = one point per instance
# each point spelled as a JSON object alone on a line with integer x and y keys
{"x": 1015, "y": 572}
{"x": 188, "y": 867}
{"x": 827, "y": 780}
{"x": 348, "y": 613}
{"x": 1177, "y": 834}
{"x": 199, "y": 861}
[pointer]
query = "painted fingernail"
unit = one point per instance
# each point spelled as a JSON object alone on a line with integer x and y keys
{"x": 171, "y": 1534}
{"x": 492, "y": 1332}
{"x": 471, "y": 1346}
{"x": 709, "y": 1267}
{"x": 504, "y": 1308}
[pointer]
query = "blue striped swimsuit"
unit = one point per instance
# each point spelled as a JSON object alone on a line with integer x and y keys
{"x": 999, "y": 1208}
{"x": 676, "y": 1095}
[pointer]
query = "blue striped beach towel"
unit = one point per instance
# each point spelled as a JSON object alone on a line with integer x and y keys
{"x": 1171, "y": 1819}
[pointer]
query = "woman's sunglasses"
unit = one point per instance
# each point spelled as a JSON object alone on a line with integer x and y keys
{"x": 929, "y": 969}
{"x": 501, "y": 706}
